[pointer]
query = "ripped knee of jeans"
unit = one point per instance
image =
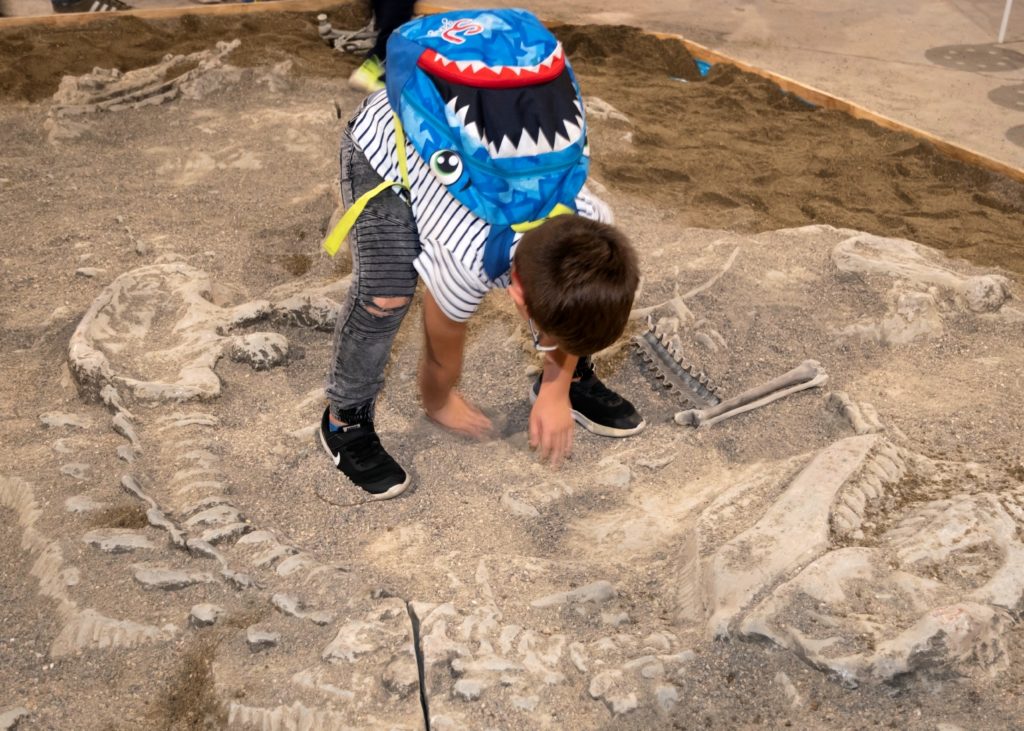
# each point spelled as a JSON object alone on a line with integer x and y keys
{"x": 387, "y": 306}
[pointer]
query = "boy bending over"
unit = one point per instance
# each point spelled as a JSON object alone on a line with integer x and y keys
{"x": 571, "y": 276}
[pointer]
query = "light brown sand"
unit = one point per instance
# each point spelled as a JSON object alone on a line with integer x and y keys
{"x": 240, "y": 185}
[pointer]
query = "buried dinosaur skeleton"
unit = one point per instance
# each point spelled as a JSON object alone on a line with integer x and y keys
{"x": 696, "y": 388}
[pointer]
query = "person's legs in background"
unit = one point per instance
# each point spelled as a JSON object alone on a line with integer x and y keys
{"x": 388, "y": 15}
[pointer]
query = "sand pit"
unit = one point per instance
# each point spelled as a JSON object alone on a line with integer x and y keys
{"x": 846, "y": 557}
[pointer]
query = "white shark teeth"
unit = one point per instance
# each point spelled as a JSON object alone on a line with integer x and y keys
{"x": 575, "y": 131}
{"x": 507, "y": 149}
{"x": 477, "y": 134}
{"x": 477, "y": 66}
{"x": 561, "y": 142}
{"x": 528, "y": 145}
{"x": 542, "y": 146}
{"x": 460, "y": 113}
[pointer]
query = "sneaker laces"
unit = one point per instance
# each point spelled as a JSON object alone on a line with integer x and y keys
{"x": 589, "y": 382}
{"x": 597, "y": 390}
{"x": 364, "y": 448}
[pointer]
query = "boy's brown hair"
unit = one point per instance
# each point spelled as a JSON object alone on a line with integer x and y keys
{"x": 579, "y": 278}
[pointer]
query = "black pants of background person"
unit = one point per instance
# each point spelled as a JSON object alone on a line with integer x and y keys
{"x": 389, "y": 14}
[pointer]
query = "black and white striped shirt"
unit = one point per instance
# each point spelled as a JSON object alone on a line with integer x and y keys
{"x": 452, "y": 237}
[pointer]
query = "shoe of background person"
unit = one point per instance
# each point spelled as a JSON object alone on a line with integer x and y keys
{"x": 596, "y": 407}
{"x": 357, "y": 42}
{"x": 358, "y": 454}
{"x": 369, "y": 77}
{"x": 91, "y": 6}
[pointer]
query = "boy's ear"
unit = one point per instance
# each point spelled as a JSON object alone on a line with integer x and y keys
{"x": 515, "y": 290}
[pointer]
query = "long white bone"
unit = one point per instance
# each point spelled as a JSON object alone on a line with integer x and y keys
{"x": 806, "y": 375}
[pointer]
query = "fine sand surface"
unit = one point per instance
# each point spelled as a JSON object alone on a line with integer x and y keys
{"x": 848, "y": 557}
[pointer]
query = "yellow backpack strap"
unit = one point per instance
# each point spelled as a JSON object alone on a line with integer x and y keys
{"x": 559, "y": 210}
{"x": 338, "y": 234}
{"x": 341, "y": 230}
{"x": 403, "y": 163}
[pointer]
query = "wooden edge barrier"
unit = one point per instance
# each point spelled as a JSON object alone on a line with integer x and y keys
{"x": 235, "y": 8}
{"x": 834, "y": 103}
{"x": 700, "y": 52}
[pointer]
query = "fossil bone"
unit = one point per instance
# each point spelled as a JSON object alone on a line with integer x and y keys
{"x": 806, "y": 375}
{"x": 678, "y": 301}
{"x": 861, "y": 416}
{"x": 668, "y": 363}
{"x": 868, "y": 254}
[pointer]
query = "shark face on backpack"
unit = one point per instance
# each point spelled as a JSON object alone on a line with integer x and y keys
{"x": 490, "y": 102}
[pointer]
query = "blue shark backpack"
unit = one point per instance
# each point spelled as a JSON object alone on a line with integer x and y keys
{"x": 488, "y": 100}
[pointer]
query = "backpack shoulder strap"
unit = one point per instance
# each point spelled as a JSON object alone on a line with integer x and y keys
{"x": 560, "y": 209}
{"x": 403, "y": 162}
{"x": 341, "y": 230}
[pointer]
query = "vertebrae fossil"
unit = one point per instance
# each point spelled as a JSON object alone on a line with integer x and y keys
{"x": 669, "y": 366}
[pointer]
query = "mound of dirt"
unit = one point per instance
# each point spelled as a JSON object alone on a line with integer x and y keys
{"x": 626, "y": 50}
{"x": 729, "y": 151}
{"x": 735, "y": 151}
{"x": 34, "y": 59}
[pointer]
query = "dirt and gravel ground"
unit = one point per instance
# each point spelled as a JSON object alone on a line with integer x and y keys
{"x": 705, "y": 175}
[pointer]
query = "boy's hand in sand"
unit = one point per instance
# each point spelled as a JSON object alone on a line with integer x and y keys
{"x": 551, "y": 422}
{"x": 551, "y": 426}
{"x": 458, "y": 415}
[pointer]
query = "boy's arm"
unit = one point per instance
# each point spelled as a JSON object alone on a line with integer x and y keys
{"x": 443, "y": 343}
{"x": 551, "y": 422}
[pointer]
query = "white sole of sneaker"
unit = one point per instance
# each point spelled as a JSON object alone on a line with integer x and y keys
{"x": 600, "y": 429}
{"x": 606, "y": 431}
{"x": 391, "y": 492}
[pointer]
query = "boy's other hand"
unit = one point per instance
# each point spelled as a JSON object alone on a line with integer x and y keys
{"x": 551, "y": 426}
{"x": 461, "y": 417}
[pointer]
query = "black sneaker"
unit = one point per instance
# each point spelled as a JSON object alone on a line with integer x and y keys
{"x": 357, "y": 452}
{"x": 90, "y": 6}
{"x": 596, "y": 407}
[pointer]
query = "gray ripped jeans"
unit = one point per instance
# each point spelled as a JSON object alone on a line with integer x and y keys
{"x": 384, "y": 243}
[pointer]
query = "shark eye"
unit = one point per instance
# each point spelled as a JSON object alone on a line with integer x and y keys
{"x": 586, "y": 145}
{"x": 446, "y": 165}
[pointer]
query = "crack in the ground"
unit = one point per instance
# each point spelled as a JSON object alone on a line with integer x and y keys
{"x": 420, "y": 665}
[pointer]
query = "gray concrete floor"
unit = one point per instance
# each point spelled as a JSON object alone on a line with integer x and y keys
{"x": 931, "y": 64}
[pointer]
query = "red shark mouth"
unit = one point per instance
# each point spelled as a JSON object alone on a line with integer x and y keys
{"x": 479, "y": 74}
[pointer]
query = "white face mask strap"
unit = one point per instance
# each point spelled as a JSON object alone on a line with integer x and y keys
{"x": 536, "y": 339}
